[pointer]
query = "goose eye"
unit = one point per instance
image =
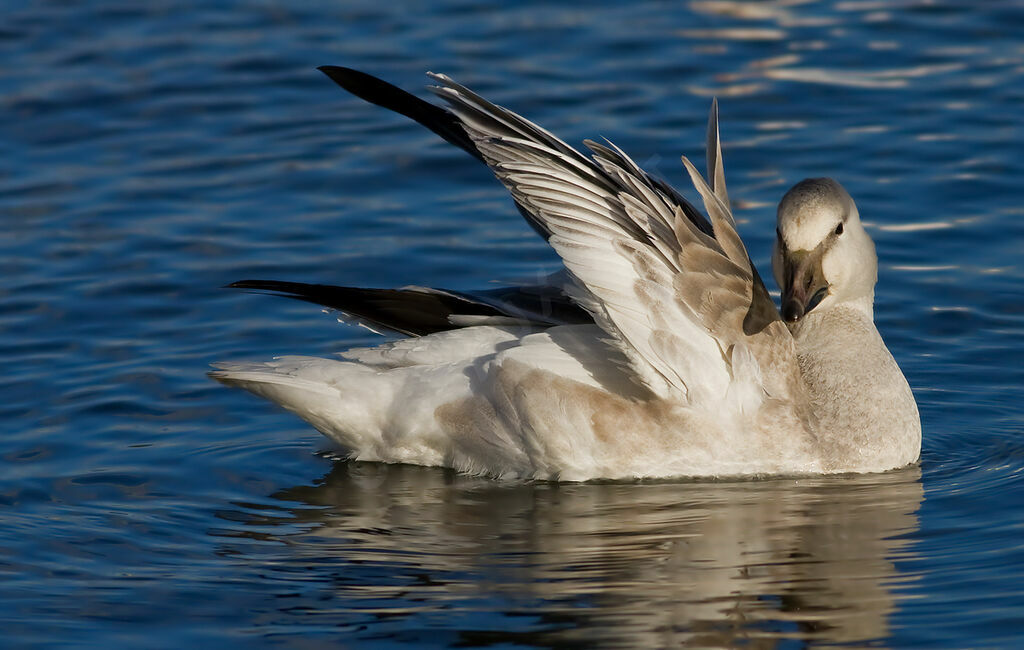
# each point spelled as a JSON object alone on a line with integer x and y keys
{"x": 839, "y": 228}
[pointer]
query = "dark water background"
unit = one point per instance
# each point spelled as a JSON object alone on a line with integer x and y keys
{"x": 152, "y": 152}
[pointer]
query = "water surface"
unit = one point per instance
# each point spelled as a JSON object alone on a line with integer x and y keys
{"x": 151, "y": 153}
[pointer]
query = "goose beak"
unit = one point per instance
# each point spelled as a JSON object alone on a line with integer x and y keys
{"x": 805, "y": 283}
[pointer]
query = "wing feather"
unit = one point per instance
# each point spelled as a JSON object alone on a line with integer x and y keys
{"x": 716, "y": 171}
{"x": 672, "y": 290}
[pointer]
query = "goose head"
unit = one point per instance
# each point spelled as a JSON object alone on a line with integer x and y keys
{"x": 823, "y": 257}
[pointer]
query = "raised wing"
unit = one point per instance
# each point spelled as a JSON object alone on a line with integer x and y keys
{"x": 678, "y": 296}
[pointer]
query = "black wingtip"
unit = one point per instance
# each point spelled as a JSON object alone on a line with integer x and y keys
{"x": 271, "y": 285}
{"x": 245, "y": 284}
{"x": 379, "y": 92}
{"x": 367, "y": 87}
{"x": 413, "y": 312}
{"x": 345, "y": 77}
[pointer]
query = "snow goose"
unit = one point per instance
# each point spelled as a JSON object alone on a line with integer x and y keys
{"x": 658, "y": 352}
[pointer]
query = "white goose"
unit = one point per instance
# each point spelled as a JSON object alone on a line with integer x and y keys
{"x": 678, "y": 363}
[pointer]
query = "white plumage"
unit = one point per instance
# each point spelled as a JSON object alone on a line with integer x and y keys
{"x": 688, "y": 370}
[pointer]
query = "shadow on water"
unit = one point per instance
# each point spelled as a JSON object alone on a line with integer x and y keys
{"x": 757, "y": 563}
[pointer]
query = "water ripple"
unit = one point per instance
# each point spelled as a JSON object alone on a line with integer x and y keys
{"x": 153, "y": 153}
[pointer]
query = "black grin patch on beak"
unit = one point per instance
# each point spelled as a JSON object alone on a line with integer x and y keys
{"x": 816, "y": 299}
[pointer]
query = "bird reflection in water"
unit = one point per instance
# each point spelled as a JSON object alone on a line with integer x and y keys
{"x": 706, "y": 564}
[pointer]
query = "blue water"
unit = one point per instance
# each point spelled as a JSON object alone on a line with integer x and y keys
{"x": 152, "y": 152}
